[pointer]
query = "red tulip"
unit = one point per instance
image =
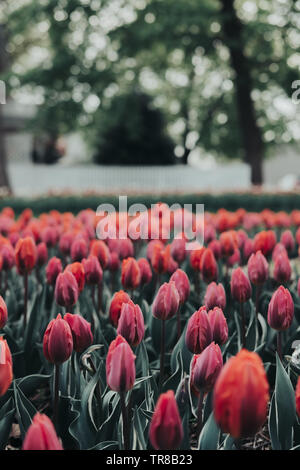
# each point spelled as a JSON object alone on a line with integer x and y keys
{"x": 215, "y": 247}
{"x": 26, "y": 255}
{"x": 258, "y": 268}
{"x": 241, "y": 395}
{"x": 42, "y": 254}
{"x": 8, "y": 257}
{"x": 215, "y": 296}
{"x": 6, "y": 371}
{"x": 50, "y": 236}
{"x": 166, "y": 432}
{"x": 114, "y": 262}
{"x": 195, "y": 258}
{"x": 79, "y": 249}
{"x": 116, "y": 305}
{"x": 126, "y": 249}
{"x": 81, "y": 332}
{"x": 53, "y": 269}
{"x": 58, "y": 341}
{"x": 131, "y": 323}
{"x": 287, "y": 240}
{"x": 265, "y": 241}
{"x": 3, "y": 313}
{"x": 41, "y": 435}
{"x": 160, "y": 258}
{"x": 101, "y": 251}
{"x": 78, "y": 272}
{"x": 120, "y": 366}
{"x": 93, "y": 270}
{"x": 145, "y": 269}
{"x": 240, "y": 286}
{"x": 131, "y": 274}
{"x": 178, "y": 250}
{"x": 198, "y": 333}
{"x": 182, "y": 284}
{"x": 218, "y": 325}
{"x": 208, "y": 266}
{"x": 205, "y": 368}
{"x": 248, "y": 248}
{"x": 278, "y": 250}
{"x": 166, "y": 302}
{"x": 281, "y": 309}
{"x": 66, "y": 289}
{"x": 66, "y": 242}
{"x": 282, "y": 269}
{"x": 228, "y": 243}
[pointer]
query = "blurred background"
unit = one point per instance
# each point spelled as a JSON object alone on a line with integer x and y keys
{"x": 149, "y": 96}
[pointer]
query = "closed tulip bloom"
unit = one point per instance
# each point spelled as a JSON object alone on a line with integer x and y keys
{"x": 145, "y": 269}
{"x": 195, "y": 258}
{"x": 50, "y": 236}
{"x": 160, "y": 258}
{"x": 173, "y": 265}
{"x": 131, "y": 323}
{"x": 228, "y": 244}
{"x": 215, "y": 296}
{"x": 150, "y": 248}
{"x": 126, "y": 248}
{"x": 114, "y": 262}
{"x": 66, "y": 289}
{"x": 240, "y": 286}
{"x": 166, "y": 302}
{"x": 53, "y": 269}
{"x": 41, "y": 435}
{"x": 8, "y": 257}
{"x": 131, "y": 274}
{"x": 248, "y": 249}
{"x": 178, "y": 250}
{"x": 278, "y": 250}
{"x": 116, "y": 305}
{"x": 182, "y": 284}
{"x": 3, "y": 312}
{"x": 208, "y": 266}
{"x": 93, "y": 271}
{"x": 81, "y": 331}
{"x": 120, "y": 365}
{"x": 65, "y": 243}
{"x": 234, "y": 259}
{"x": 58, "y": 341}
{"x": 241, "y": 395}
{"x": 166, "y": 432}
{"x": 287, "y": 240}
{"x": 298, "y": 397}
{"x": 282, "y": 269}
{"x": 42, "y": 254}
{"x": 79, "y": 249}
{"x": 265, "y": 241}
{"x": 218, "y": 325}
{"x": 6, "y": 368}
{"x": 205, "y": 368}
{"x": 215, "y": 247}
{"x": 26, "y": 255}
{"x": 258, "y": 268}
{"x": 281, "y": 309}
{"x": 77, "y": 270}
{"x": 198, "y": 334}
{"x": 101, "y": 251}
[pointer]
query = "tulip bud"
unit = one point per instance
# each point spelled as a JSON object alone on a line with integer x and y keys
{"x": 166, "y": 302}
{"x": 66, "y": 289}
{"x": 26, "y": 255}
{"x": 287, "y": 240}
{"x": 53, "y": 269}
{"x": 8, "y": 257}
{"x": 41, "y": 435}
{"x": 131, "y": 274}
{"x": 101, "y": 251}
{"x": 160, "y": 258}
{"x": 172, "y": 266}
{"x": 6, "y": 372}
{"x": 282, "y": 269}
{"x": 218, "y": 325}
{"x": 240, "y": 286}
{"x": 58, "y": 341}
{"x": 281, "y": 309}
{"x": 114, "y": 262}
{"x": 215, "y": 247}
{"x": 78, "y": 272}
{"x": 298, "y": 397}
{"x": 182, "y": 284}
{"x": 120, "y": 366}
{"x": 258, "y": 268}
{"x": 146, "y": 273}
{"x": 208, "y": 266}
{"x": 228, "y": 244}
{"x": 65, "y": 243}
{"x": 198, "y": 332}
{"x": 241, "y": 395}
{"x": 93, "y": 270}
{"x": 205, "y": 368}
{"x": 166, "y": 432}
{"x": 150, "y": 248}
{"x": 116, "y": 305}
{"x": 195, "y": 258}
{"x": 42, "y": 254}
{"x": 79, "y": 249}
{"x": 50, "y": 236}
{"x": 81, "y": 332}
{"x": 178, "y": 250}
{"x": 265, "y": 241}
{"x": 3, "y": 313}
{"x": 131, "y": 323}
{"x": 248, "y": 249}
{"x": 278, "y": 250}
{"x": 215, "y": 296}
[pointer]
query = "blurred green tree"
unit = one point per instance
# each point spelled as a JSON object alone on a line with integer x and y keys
{"x": 221, "y": 70}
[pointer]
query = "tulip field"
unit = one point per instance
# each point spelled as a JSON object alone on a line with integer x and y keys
{"x": 150, "y": 343}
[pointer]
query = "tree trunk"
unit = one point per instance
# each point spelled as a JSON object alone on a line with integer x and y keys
{"x": 251, "y": 133}
{"x": 4, "y": 180}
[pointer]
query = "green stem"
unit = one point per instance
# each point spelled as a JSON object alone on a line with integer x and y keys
{"x": 56, "y": 396}
{"x": 243, "y": 325}
{"x": 279, "y": 345}
{"x": 199, "y": 413}
{"x": 126, "y": 431}
{"x": 25, "y": 298}
{"x": 162, "y": 354}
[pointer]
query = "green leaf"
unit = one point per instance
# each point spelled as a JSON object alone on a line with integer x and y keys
{"x": 7, "y": 414}
{"x": 209, "y": 436}
{"x": 25, "y": 410}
